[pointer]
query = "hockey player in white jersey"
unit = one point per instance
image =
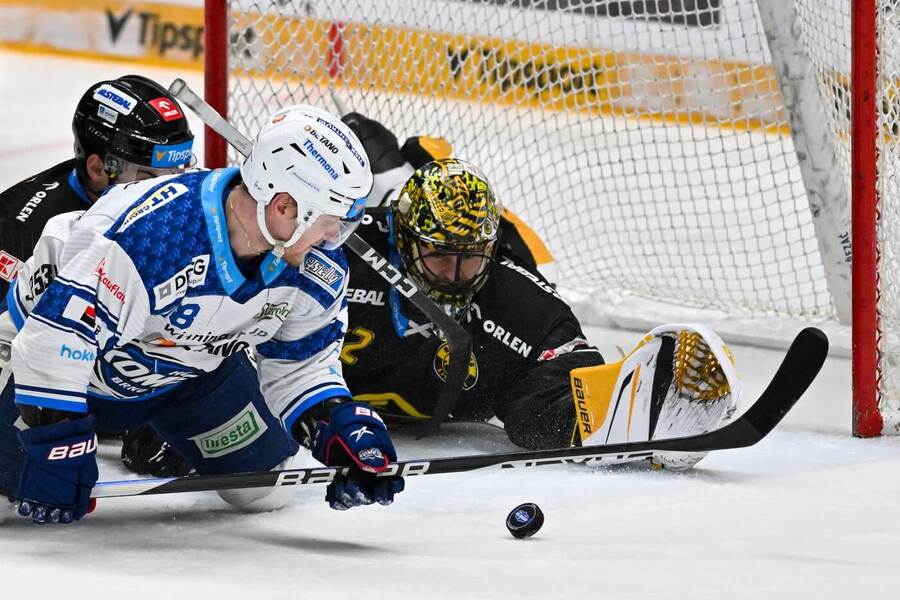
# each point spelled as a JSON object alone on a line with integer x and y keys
{"x": 156, "y": 292}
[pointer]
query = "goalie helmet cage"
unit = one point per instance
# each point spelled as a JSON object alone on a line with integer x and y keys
{"x": 688, "y": 159}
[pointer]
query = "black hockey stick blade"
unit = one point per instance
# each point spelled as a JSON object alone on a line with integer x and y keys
{"x": 799, "y": 368}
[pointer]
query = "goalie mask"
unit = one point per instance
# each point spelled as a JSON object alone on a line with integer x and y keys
{"x": 311, "y": 155}
{"x": 446, "y": 223}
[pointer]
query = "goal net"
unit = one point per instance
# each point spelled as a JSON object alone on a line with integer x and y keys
{"x": 676, "y": 160}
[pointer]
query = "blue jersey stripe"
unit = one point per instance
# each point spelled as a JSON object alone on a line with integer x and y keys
{"x": 54, "y": 325}
{"x": 45, "y": 390}
{"x": 334, "y": 391}
{"x": 16, "y": 311}
{"x": 76, "y": 284}
{"x": 304, "y": 347}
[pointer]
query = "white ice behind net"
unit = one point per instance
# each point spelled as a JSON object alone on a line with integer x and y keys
{"x": 651, "y": 156}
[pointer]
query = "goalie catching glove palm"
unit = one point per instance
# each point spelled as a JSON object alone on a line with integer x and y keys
{"x": 678, "y": 381}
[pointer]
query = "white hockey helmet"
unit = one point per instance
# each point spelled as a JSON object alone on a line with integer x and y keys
{"x": 312, "y": 155}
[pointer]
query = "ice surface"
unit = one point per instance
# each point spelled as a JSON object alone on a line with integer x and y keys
{"x": 808, "y": 512}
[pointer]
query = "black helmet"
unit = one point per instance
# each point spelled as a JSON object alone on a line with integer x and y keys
{"x": 135, "y": 120}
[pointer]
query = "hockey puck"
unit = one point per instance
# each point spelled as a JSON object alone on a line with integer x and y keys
{"x": 525, "y": 520}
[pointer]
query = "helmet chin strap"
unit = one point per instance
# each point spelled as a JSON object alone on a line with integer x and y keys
{"x": 278, "y": 246}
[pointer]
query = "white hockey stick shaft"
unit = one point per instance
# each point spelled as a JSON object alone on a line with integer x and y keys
{"x": 211, "y": 117}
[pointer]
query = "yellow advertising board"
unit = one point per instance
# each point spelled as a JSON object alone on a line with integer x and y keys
{"x": 407, "y": 61}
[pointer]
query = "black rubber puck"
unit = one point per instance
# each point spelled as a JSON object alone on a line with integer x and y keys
{"x": 525, "y": 520}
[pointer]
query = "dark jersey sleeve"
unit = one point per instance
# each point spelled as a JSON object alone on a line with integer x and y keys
{"x": 24, "y": 210}
{"x": 537, "y": 410}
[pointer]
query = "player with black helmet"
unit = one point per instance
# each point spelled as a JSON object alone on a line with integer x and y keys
{"x": 125, "y": 129}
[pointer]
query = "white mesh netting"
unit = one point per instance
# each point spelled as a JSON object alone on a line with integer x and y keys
{"x": 650, "y": 151}
{"x": 826, "y": 33}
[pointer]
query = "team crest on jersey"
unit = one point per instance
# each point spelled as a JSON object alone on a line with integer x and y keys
{"x": 158, "y": 199}
{"x": 442, "y": 362}
{"x": 324, "y": 271}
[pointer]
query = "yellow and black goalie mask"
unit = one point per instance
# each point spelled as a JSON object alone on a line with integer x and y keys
{"x": 447, "y": 224}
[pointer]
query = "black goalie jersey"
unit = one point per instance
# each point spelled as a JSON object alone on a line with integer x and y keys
{"x": 525, "y": 340}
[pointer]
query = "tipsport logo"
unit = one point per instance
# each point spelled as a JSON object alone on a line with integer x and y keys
{"x": 173, "y": 155}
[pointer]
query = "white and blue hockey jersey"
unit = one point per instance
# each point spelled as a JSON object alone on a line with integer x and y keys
{"x": 146, "y": 294}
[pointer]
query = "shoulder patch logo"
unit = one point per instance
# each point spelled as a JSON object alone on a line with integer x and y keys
{"x": 324, "y": 271}
{"x": 156, "y": 200}
{"x": 80, "y": 311}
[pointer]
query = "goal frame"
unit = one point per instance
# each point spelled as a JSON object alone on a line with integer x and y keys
{"x": 867, "y": 418}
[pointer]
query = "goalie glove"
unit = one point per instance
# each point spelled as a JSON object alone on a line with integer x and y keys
{"x": 679, "y": 380}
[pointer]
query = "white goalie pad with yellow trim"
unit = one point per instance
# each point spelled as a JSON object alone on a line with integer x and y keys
{"x": 679, "y": 380}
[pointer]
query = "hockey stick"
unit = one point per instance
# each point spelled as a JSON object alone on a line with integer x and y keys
{"x": 459, "y": 364}
{"x": 458, "y": 339}
{"x": 798, "y": 369}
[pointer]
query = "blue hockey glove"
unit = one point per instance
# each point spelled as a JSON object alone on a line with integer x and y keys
{"x": 356, "y": 437}
{"x": 59, "y": 472}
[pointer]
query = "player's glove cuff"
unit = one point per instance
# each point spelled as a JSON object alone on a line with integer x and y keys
{"x": 354, "y": 436}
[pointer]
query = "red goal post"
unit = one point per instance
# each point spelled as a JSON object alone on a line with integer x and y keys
{"x": 867, "y": 418}
{"x": 684, "y": 160}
